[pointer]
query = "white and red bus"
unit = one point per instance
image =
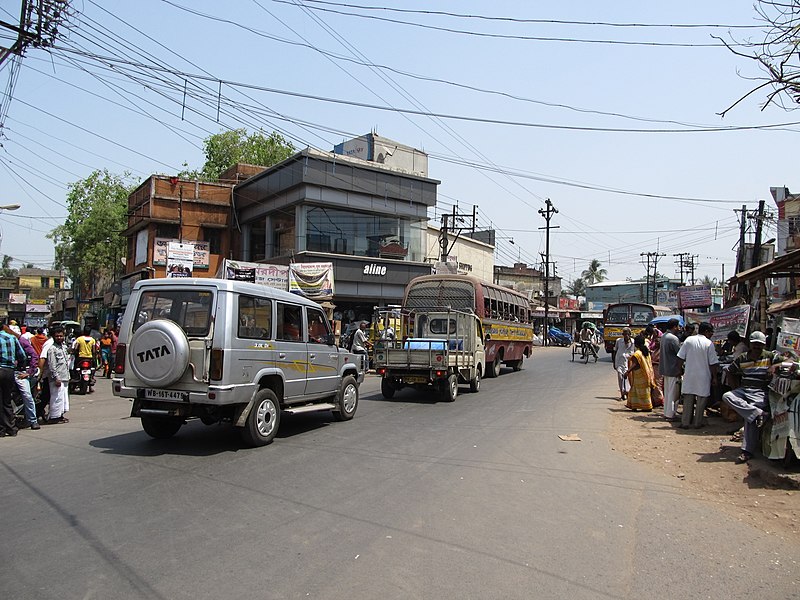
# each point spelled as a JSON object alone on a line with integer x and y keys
{"x": 505, "y": 314}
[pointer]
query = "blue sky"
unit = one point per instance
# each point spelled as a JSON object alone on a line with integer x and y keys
{"x": 73, "y": 111}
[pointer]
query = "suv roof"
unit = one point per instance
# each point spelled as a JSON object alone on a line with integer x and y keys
{"x": 227, "y": 285}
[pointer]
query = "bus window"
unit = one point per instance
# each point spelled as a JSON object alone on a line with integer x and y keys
{"x": 642, "y": 316}
{"x": 618, "y": 314}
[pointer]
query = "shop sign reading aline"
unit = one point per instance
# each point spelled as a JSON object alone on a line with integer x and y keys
{"x": 373, "y": 269}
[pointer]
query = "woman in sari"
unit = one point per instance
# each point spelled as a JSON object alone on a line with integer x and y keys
{"x": 653, "y": 339}
{"x": 640, "y": 375}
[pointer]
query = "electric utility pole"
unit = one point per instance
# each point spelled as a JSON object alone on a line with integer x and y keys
{"x": 652, "y": 258}
{"x": 454, "y": 223}
{"x": 547, "y": 213}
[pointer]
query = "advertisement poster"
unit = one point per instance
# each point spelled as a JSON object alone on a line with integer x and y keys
{"x": 180, "y": 259}
{"x": 789, "y": 336}
{"x": 312, "y": 280}
{"x": 667, "y": 298}
{"x": 694, "y": 296}
{"x": 200, "y": 260}
{"x": 723, "y": 321}
{"x": 274, "y": 276}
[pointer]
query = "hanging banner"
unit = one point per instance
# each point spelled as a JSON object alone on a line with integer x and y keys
{"x": 723, "y": 321}
{"x": 200, "y": 259}
{"x": 274, "y": 276}
{"x": 312, "y": 280}
{"x": 180, "y": 259}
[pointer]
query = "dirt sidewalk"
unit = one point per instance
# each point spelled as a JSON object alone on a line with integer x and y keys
{"x": 758, "y": 492}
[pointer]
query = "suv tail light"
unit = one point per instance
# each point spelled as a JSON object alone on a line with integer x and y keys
{"x": 119, "y": 360}
{"x": 215, "y": 369}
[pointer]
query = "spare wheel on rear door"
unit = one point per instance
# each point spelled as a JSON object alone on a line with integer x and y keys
{"x": 159, "y": 353}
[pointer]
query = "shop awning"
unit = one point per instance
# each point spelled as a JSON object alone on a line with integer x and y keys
{"x": 777, "y": 307}
{"x": 787, "y": 265}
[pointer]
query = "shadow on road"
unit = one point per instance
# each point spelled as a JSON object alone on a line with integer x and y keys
{"x": 196, "y": 439}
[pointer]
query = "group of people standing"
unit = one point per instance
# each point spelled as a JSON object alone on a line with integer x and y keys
{"x": 39, "y": 364}
{"x": 678, "y": 367}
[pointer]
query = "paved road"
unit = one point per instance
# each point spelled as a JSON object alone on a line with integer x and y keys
{"x": 411, "y": 499}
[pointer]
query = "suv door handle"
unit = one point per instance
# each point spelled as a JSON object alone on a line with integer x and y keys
{"x": 312, "y": 355}
{"x": 282, "y": 355}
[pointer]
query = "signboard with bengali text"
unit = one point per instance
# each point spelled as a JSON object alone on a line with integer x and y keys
{"x": 735, "y": 318}
{"x": 694, "y": 296}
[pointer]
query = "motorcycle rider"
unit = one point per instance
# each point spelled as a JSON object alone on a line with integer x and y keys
{"x": 85, "y": 346}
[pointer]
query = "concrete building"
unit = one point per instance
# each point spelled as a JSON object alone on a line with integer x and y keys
{"x": 529, "y": 281}
{"x": 368, "y": 220}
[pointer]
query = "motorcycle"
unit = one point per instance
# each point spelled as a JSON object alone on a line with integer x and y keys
{"x": 81, "y": 377}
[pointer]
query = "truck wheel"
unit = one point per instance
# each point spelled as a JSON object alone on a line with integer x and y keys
{"x": 387, "y": 388}
{"x": 347, "y": 400}
{"x": 451, "y": 389}
{"x": 516, "y": 364}
{"x": 160, "y": 428}
{"x": 263, "y": 420}
{"x": 494, "y": 368}
{"x": 475, "y": 384}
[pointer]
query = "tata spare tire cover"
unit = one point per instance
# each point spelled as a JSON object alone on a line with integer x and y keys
{"x": 159, "y": 353}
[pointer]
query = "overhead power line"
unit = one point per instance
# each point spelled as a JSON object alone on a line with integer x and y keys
{"x": 503, "y": 36}
{"x": 410, "y": 111}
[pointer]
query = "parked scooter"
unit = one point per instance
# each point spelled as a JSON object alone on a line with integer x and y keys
{"x": 81, "y": 377}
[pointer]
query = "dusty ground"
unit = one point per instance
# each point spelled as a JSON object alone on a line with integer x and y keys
{"x": 703, "y": 460}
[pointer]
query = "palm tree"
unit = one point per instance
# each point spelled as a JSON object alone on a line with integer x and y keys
{"x": 709, "y": 281}
{"x": 576, "y": 288}
{"x": 594, "y": 274}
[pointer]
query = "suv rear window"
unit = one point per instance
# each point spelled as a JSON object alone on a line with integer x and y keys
{"x": 191, "y": 309}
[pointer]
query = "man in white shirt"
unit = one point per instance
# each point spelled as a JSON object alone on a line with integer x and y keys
{"x": 700, "y": 363}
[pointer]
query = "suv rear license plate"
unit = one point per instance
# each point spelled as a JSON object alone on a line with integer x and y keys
{"x": 166, "y": 395}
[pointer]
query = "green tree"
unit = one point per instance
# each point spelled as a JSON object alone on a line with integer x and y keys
{"x": 5, "y": 268}
{"x": 594, "y": 274}
{"x": 237, "y": 146}
{"x": 577, "y": 288}
{"x": 89, "y": 241}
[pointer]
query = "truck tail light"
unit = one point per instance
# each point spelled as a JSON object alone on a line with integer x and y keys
{"x": 119, "y": 360}
{"x": 215, "y": 369}
{"x": 381, "y": 371}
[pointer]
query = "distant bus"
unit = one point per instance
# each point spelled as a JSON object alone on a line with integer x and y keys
{"x": 505, "y": 314}
{"x": 635, "y": 315}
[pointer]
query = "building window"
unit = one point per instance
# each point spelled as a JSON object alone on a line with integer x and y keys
{"x": 214, "y": 239}
{"x": 283, "y": 232}
{"x": 362, "y": 234}
{"x": 45, "y": 282}
{"x": 167, "y": 230}
{"x": 258, "y": 240}
{"x": 56, "y": 283}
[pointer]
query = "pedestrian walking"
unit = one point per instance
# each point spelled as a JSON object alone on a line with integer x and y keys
{"x": 623, "y": 350}
{"x": 670, "y": 368}
{"x": 700, "y": 365}
{"x": 25, "y": 376}
{"x": 58, "y": 373}
{"x": 11, "y": 354}
{"x": 640, "y": 374}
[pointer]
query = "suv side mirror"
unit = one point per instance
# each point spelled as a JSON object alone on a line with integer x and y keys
{"x": 487, "y": 337}
{"x": 330, "y": 340}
